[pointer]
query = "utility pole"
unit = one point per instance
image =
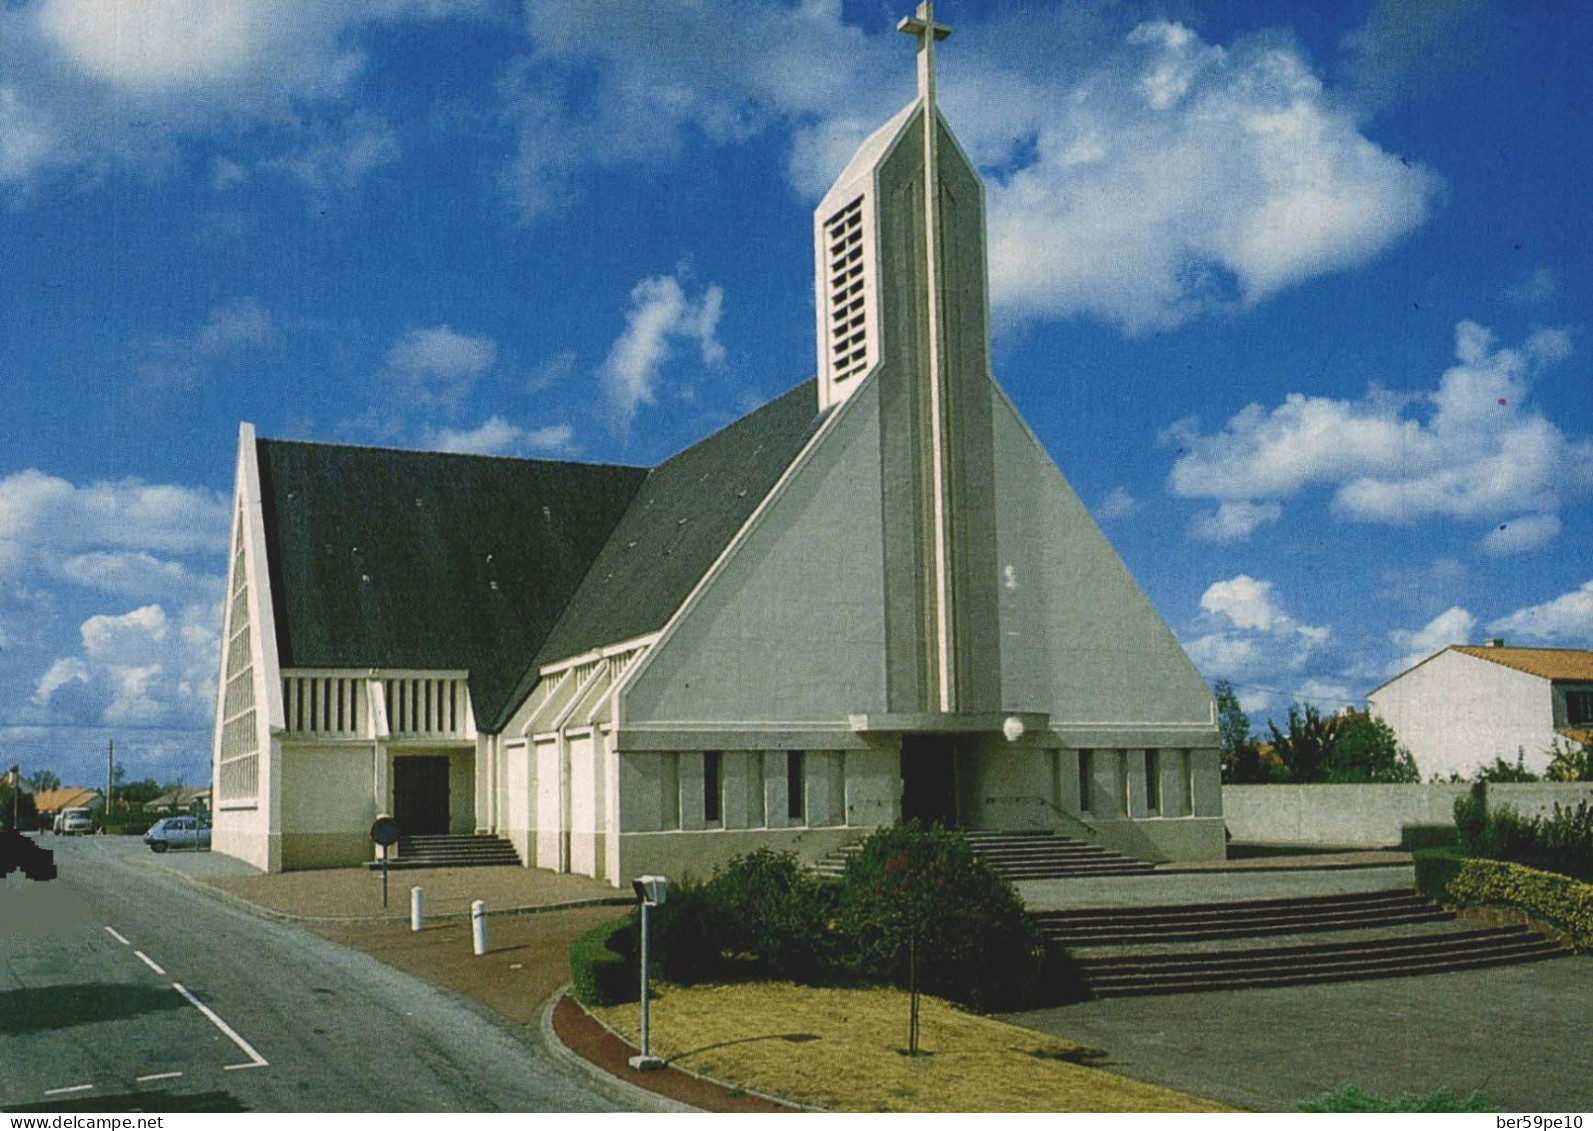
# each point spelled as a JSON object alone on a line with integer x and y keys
{"x": 110, "y": 778}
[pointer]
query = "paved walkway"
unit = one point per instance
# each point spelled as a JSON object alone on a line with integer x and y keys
{"x": 1518, "y": 1033}
{"x": 354, "y": 894}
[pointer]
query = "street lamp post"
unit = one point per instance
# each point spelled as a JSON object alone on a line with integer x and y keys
{"x": 650, "y": 891}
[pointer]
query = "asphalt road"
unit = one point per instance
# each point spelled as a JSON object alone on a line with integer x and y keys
{"x": 122, "y": 987}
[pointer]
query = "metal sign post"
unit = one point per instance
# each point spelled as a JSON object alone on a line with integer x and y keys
{"x": 385, "y": 832}
{"x": 650, "y": 891}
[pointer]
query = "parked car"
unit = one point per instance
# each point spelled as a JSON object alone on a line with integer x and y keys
{"x": 178, "y": 832}
{"x": 72, "y": 822}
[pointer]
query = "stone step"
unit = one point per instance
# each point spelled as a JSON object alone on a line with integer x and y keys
{"x": 1230, "y": 908}
{"x": 1216, "y": 960}
{"x": 450, "y": 851}
{"x": 1029, "y": 854}
{"x": 1365, "y": 969}
{"x": 1281, "y": 925}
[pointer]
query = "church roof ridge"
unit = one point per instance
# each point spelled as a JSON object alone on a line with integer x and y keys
{"x": 429, "y": 452}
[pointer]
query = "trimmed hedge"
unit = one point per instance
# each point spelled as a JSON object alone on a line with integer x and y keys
{"x": 1555, "y": 899}
{"x": 1352, "y": 1099}
{"x": 603, "y": 965}
{"x": 1435, "y": 867}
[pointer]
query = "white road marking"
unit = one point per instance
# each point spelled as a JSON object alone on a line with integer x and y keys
{"x": 75, "y": 1088}
{"x": 112, "y": 932}
{"x": 150, "y": 962}
{"x": 157, "y": 1076}
{"x": 256, "y": 1060}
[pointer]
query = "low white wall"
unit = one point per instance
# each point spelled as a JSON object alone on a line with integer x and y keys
{"x": 1370, "y": 815}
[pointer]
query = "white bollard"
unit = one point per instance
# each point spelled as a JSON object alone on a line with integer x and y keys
{"x": 417, "y": 908}
{"x": 478, "y": 924}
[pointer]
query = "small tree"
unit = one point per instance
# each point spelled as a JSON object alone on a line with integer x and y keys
{"x": 16, "y": 804}
{"x": 1306, "y": 750}
{"x": 1241, "y": 753}
{"x": 42, "y": 780}
{"x": 925, "y": 914}
{"x": 1366, "y": 750}
{"x": 1570, "y": 761}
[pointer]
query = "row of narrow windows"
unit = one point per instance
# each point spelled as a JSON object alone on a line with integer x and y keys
{"x": 713, "y": 787}
{"x": 1157, "y": 762}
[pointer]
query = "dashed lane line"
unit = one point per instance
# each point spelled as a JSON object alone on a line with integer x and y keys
{"x": 112, "y": 932}
{"x": 73, "y": 1088}
{"x": 150, "y": 962}
{"x": 156, "y": 1076}
{"x": 255, "y": 1059}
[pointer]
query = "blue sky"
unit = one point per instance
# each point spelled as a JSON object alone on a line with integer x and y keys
{"x": 1294, "y": 294}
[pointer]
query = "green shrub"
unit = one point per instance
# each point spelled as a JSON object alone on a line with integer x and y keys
{"x": 688, "y": 933}
{"x": 1561, "y": 842}
{"x": 603, "y": 965}
{"x": 770, "y": 909}
{"x": 912, "y": 892}
{"x": 1428, "y": 836}
{"x": 1352, "y": 1099}
{"x": 1555, "y": 899}
{"x": 1435, "y": 867}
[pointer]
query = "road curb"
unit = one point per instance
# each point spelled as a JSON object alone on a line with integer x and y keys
{"x": 617, "y": 1089}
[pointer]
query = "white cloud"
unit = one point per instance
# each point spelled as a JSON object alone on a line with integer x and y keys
{"x": 1568, "y": 619}
{"x": 1183, "y": 176}
{"x": 183, "y": 363}
{"x": 1326, "y": 695}
{"x": 125, "y": 80}
{"x": 438, "y": 365}
{"x": 660, "y": 315}
{"x": 497, "y": 437}
{"x": 1472, "y": 450}
{"x": 1119, "y": 503}
{"x": 42, "y": 516}
{"x": 142, "y": 667}
{"x": 61, "y": 673}
{"x": 1244, "y": 601}
{"x": 336, "y": 158}
{"x": 1247, "y": 636}
{"x": 1522, "y": 535}
{"x": 1141, "y": 179}
{"x": 135, "y": 573}
{"x": 1234, "y": 521}
{"x": 1452, "y": 626}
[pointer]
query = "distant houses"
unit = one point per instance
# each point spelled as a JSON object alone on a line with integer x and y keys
{"x": 1461, "y": 708}
{"x": 49, "y": 802}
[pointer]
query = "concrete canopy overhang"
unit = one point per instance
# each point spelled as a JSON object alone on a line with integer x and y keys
{"x": 956, "y": 722}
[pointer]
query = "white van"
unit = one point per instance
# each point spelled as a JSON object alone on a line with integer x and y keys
{"x": 70, "y": 822}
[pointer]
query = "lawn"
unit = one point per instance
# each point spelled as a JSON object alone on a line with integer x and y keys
{"x": 839, "y": 1049}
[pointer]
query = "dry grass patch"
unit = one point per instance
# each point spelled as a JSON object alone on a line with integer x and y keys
{"x": 839, "y": 1049}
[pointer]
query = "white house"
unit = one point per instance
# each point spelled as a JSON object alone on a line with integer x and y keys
{"x": 873, "y": 597}
{"x": 1463, "y": 707}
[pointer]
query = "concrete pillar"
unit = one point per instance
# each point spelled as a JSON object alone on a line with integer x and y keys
{"x": 691, "y": 789}
{"x": 1205, "y": 774}
{"x": 776, "y": 801}
{"x": 1134, "y": 769}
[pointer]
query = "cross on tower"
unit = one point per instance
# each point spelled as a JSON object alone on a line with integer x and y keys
{"x": 923, "y": 27}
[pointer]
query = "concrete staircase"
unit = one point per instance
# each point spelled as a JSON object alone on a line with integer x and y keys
{"x": 450, "y": 852}
{"x": 1033, "y": 855}
{"x": 1190, "y": 948}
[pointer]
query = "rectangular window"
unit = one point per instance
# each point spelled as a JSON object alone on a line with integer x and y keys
{"x": 795, "y": 787}
{"x": 1578, "y": 708}
{"x": 1084, "y": 781}
{"x": 1153, "y": 781}
{"x": 712, "y": 807}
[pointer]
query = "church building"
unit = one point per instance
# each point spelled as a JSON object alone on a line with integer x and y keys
{"x": 874, "y": 598}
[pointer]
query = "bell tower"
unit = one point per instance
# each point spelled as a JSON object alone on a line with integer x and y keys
{"x": 901, "y": 298}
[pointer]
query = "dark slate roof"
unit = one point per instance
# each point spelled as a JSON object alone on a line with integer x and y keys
{"x": 681, "y": 520}
{"x": 399, "y": 559}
